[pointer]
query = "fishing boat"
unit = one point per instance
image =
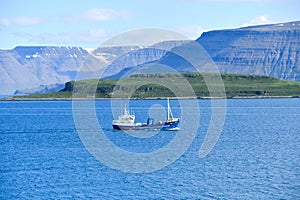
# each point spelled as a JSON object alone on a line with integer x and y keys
{"x": 126, "y": 121}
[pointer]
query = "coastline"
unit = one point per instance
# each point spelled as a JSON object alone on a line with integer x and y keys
{"x": 148, "y": 98}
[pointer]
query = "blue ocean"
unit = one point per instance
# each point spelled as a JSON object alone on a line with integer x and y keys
{"x": 256, "y": 157}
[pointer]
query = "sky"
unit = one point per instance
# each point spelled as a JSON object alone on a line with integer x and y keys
{"x": 89, "y": 23}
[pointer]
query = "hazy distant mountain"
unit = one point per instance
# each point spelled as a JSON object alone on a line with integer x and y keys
{"x": 28, "y": 67}
{"x": 24, "y": 69}
{"x": 40, "y": 89}
{"x": 138, "y": 56}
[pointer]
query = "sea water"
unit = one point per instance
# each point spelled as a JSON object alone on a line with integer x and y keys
{"x": 256, "y": 157}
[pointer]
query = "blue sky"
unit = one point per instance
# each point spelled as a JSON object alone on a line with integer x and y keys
{"x": 88, "y": 23}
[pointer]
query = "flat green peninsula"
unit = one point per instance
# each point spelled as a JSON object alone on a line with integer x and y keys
{"x": 157, "y": 85}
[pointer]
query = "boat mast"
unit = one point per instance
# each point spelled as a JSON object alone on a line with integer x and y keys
{"x": 125, "y": 110}
{"x": 170, "y": 115}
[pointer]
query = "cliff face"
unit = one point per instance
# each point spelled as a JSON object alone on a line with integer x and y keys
{"x": 271, "y": 50}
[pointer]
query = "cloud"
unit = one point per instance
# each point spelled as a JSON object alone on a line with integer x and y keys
{"x": 74, "y": 38}
{"x": 99, "y": 14}
{"x": 95, "y": 14}
{"x": 21, "y": 21}
{"x": 262, "y": 19}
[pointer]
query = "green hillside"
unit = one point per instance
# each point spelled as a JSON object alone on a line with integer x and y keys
{"x": 135, "y": 87}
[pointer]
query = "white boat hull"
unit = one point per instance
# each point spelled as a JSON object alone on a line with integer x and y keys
{"x": 170, "y": 126}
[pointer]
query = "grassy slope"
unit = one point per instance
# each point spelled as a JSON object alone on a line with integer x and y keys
{"x": 235, "y": 86}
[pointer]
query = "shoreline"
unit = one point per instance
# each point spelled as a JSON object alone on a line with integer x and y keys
{"x": 149, "y": 98}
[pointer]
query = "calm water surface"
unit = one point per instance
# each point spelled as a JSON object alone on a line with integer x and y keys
{"x": 256, "y": 157}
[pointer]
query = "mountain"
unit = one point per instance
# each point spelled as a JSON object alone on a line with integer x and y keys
{"x": 28, "y": 67}
{"x": 40, "y": 89}
{"x": 271, "y": 50}
{"x": 31, "y": 68}
{"x": 124, "y": 58}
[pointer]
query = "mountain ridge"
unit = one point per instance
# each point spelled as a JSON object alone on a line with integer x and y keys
{"x": 272, "y": 50}
{"x": 252, "y": 50}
